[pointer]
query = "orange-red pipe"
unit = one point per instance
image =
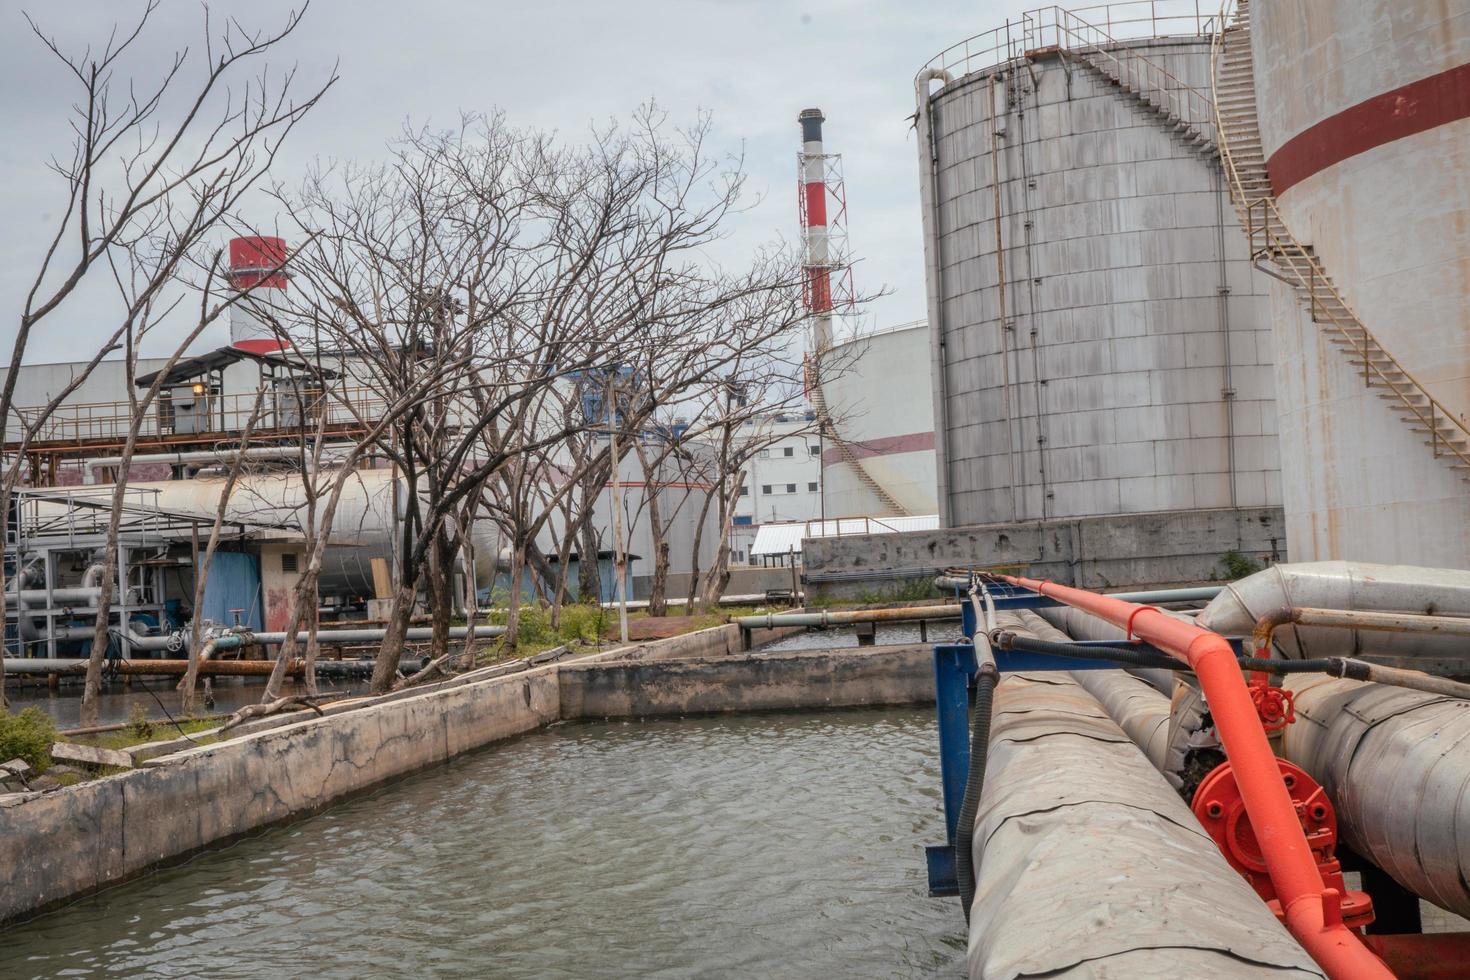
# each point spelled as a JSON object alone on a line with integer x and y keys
{"x": 1311, "y": 909}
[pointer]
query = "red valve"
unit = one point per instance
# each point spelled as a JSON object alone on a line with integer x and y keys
{"x": 1275, "y": 705}
{"x": 1219, "y": 807}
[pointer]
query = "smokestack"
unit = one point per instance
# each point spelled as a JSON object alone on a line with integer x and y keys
{"x": 814, "y": 227}
{"x": 256, "y": 262}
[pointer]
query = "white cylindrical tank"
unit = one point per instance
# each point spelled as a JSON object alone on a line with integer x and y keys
{"x": 1365, "y": 128}
{"x": 1115, "y": 358}
{"x": 880, "y": 401}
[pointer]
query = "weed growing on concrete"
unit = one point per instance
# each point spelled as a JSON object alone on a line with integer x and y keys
{"x": 1238, "y": 565}
{"x": 27, "y": 735}
{"x": 138, "y": 723}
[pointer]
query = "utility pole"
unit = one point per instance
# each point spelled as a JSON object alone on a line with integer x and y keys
{"x": 620, "y": 556}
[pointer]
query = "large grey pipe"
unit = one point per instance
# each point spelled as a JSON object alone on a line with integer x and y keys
{"x": 1362, "y": 586}
{"x": 1084, "y": 626}
{"x": 1132, "y": 702}
{"x": 1090, "y": 865}
{"x": 1396, "y": 764}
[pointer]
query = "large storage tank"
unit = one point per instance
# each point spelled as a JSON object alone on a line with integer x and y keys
{"x": 1100, "y": 340}
{"x": 1365, "y": 126}
{"x": 878, "y": 392}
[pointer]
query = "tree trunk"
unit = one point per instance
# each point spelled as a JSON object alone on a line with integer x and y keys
{"x": 589, "y": 571}
{"x": 391, "y": 652}
{"x": 513, "y": 602}
{"x": 658, "y": 601}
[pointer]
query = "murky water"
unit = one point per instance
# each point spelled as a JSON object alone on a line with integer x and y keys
{"x": 158, "y": 698}
{"x": 750, "y": 846}
{"x": 942, "y": 631}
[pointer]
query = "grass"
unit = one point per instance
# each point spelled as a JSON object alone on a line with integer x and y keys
{"x": 155, "y": 731}
{"x": 27, "y": 735}
{"x": 581, "y": 625}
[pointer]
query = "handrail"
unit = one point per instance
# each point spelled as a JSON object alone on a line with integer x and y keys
{"x": 1124, "y": 20}
{"x": 1283, "y": 243}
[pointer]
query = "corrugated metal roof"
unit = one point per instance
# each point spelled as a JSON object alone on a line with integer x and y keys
{"x": 783, "y": 539}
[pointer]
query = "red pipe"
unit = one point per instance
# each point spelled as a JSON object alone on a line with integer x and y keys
{"x": 1311, "y": 910}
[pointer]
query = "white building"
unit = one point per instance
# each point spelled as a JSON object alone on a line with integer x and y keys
{"x": 783, "y": 480}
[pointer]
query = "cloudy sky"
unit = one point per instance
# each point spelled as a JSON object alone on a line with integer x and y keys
{"x": 554, "y": 64}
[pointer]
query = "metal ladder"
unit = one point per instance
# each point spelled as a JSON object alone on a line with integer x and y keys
{"x": 1276, "y": 252}
{"x": 1183, "y": 109}
{"x": 824, "y": 420}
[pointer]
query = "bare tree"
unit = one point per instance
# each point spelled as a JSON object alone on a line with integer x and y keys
{"x": 145, "y": 182}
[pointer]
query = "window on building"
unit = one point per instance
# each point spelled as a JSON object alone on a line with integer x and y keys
{"x": 790, "y": 488}
{"x": 766, "y": 488}
{"x": 289, "y": 563}
{"x": 811, "y": 488}
{"x": 745, "y": 491}
{"x": 765, "y": 454}
{"x": 814, "y": 450}
{"x": 788, "y": 451}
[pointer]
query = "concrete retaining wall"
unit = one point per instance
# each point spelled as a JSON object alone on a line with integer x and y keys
{"x": 1175, "y": 547}
{"x": 825, "y": 679}
{"x": 60, "y": 845}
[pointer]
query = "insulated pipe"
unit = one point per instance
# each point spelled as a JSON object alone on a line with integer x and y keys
{"x": 907, "y": 614}
{"x": 1082, "y": 626}
{"x": 1132, "y": 702}
{"x": 1090, "y": 865}
{"x": 235, "y": 641}
{"x": 1312, "y": 911}
{"x": 1396, "y": 764}
{"x": 1342, "y": 585}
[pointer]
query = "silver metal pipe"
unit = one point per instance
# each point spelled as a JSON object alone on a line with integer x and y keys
{"x": 946, "y": 583}
{"x": 824, "y": 617}
{"x": 32, "y": 597}
{"x": 1066, "y": 791}
{"x": 1352, "y": 586}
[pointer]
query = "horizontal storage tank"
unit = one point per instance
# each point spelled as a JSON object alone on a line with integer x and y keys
{"x": 1364, "y": 124}
{"x": 878, "y": 391}
{"x": 1101, "y": 342}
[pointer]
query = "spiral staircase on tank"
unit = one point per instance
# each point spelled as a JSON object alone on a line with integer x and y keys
{"x": 1276, "y": 252}
{"x": 849, "y": 456}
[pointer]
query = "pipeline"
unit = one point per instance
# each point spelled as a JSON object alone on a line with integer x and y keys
{"x": 1075, "y": 826}
{"x": 1346, "y": 586}
{"x": 1311, "y": 910}
{"x": 1394, "y": 762}
{"x": 176, "y": 668}
{"x": 906, "y": 614}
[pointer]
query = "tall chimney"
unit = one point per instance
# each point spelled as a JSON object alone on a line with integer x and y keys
{"x": 256, "y": 262}
{"x": 814, "y": 228}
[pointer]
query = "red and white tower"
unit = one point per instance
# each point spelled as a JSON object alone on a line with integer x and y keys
{"x": 258, "y": 264}
{"x": 822, "y": 204}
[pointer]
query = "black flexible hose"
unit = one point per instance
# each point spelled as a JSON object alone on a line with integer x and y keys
{"x": 964, "y": 858}
{"x": 1132, "y": 656}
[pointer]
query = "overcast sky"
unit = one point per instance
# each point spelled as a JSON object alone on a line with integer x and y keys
{"x": 555, "y": 64}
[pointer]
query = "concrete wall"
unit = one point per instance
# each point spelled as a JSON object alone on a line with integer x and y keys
{"x": 59, "y": 845}
{"x": 771, "y": 682}
{"x": 1136, "y": 374}
{"x": 1390, "y": 226}
{"x": 880, "y": 396}
{"x": 1167, "y": 548}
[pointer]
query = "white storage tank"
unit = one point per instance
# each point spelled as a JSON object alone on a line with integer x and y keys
{"x": 1364, "y": 125}
{"x": 1101, "y": 343}
{"x": 880, "y": 399}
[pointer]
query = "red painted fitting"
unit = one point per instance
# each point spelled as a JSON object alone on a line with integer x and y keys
{"x": 1289, "y": 860}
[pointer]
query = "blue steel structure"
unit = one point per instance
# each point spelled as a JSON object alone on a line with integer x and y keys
{"x": 955, "y": 667}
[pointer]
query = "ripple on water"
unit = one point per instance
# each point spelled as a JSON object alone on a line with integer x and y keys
{"x": 769, "y": 845}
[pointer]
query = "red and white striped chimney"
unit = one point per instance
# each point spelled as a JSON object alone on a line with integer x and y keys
{"x": 256, "y": 262}
{"x": 814, "y": 212}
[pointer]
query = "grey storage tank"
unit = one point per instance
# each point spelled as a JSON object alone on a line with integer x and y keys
{"x": 1101, "y": 342}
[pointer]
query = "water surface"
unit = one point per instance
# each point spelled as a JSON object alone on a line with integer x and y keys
{"x": 747, "y": 846}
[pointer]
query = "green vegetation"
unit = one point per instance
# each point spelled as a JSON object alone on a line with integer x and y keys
{"x": 27, "y": 735}
{"x": 909, "y": 590}
{"x": 149, "y": 731}
{"x": 1238, "y": 565}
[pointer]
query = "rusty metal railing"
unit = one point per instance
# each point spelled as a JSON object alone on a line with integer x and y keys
{"x": 1270, "y": 240}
